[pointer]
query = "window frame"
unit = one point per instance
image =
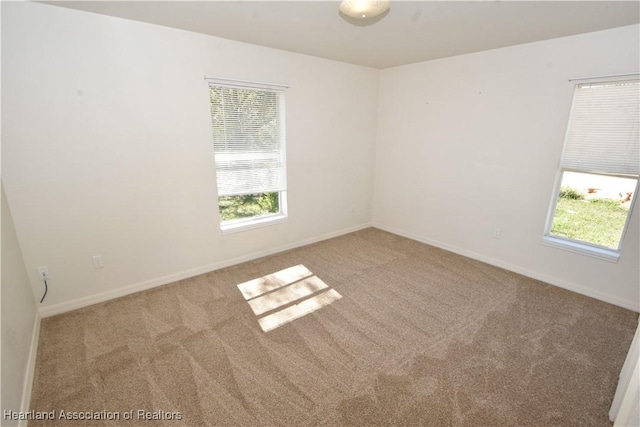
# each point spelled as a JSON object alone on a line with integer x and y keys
{"x": 249, "y": 223}
{"x": 579, "y": 246}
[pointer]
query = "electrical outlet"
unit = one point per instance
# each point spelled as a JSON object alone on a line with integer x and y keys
{"x": 43, "y": 273}
{"x": 97, "y": 261}
{"x": 497, "y": 233}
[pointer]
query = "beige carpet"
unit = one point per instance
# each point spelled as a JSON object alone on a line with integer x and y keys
{"x": 420, "y": 336}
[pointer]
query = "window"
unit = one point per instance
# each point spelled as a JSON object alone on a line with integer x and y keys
{"x": 598, "y": 177}
{"x": 248, "y": 142}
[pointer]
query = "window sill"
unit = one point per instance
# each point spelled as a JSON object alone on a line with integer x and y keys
{"x": 249, "y": 224}
{"x": 604, "y": 254}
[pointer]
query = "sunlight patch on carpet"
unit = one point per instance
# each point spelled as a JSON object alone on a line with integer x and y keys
{"x": 286, "y": 295}
{"x": 261, "y": 285}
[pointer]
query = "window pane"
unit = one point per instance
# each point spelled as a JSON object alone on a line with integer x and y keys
{"x": 593, "y": 208}
{"x": 602, "y": 136}
{"x": 247, "y": 140}
{"x": 249, "y": 147}
{"x": 248, "y": 206}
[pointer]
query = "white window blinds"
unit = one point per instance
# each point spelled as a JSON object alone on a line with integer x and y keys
{"x": 248, "y": 139}
{"x": 603, "y": 135}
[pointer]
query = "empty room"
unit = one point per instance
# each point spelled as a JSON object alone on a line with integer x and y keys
{"x": 293, "y": 213}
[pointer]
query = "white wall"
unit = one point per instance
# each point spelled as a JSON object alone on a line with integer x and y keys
{"x": 107, "y": 149}
{"x": 20, "y": 322}
{"x": 470, "y": 143}
{"x": 625, "y": 408}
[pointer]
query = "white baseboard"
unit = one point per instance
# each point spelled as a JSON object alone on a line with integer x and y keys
{"x": 27, "y": 383}
{"x": 516, "y": 269}
{"x": 148, "y": 284}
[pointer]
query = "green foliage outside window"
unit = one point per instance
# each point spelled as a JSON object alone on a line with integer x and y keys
{"x": 248, "y": 206}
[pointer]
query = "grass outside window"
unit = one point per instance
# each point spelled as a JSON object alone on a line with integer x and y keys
{"x": 597, "y": 221}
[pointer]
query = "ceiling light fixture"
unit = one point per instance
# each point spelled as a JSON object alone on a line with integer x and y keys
{"x": 364, "y": 9}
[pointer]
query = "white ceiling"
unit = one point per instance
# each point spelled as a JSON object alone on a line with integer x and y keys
{"x": 413, "y": 31}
